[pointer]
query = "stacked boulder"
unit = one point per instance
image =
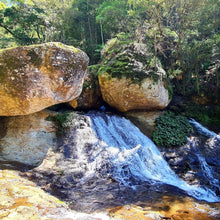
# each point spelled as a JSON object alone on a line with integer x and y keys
{"x": 131, "y": 78}
{"x": 35, "y": 77}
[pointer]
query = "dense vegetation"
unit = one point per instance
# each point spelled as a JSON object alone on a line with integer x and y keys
{"x": 171, "y": 130}
{"x": 183, "y": 34}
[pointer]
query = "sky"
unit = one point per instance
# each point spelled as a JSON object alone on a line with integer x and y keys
{"x": 7, "y": 2}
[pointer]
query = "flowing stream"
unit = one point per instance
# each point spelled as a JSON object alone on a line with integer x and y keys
{"x": 205, "y": 167}
{"x": 203, "y": 130}
{"x": 105, "y": 161}
{"x": 133, "y": 157}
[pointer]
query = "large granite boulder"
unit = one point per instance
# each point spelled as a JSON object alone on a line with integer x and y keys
{"x": 35, "y": 77}
{"x": 26, "y": 139}
{"x": 91, "y": 97}
{"x": 131, "y": 78}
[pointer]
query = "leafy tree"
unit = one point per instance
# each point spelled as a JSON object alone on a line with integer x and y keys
{"x": 81, "y": 28}
{"x": 113, "y": 17}
{"x": 24, "y": 22}
{"x": 181, "y": 33}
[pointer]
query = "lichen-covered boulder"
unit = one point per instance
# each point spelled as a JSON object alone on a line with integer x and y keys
{"x": 125, "y": 95}
{"x": 131, "y": 78}
{"x": 91, "y": 97}
{"x": 26, "y": 139}
{"x": 35, "y": 77}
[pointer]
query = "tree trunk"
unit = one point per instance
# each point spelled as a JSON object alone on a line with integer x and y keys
{"x": 102, "y": 37}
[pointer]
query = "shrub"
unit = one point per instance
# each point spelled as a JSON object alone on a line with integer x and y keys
{"x": 60, "y": 120}
{"x": 208, "y": 115}
{"x": 171, "y": 130}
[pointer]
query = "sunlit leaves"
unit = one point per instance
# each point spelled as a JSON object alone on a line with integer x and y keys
{"x": 2, "y": 5}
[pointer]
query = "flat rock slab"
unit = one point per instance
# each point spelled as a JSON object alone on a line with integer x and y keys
{"x": 21, "y": 199}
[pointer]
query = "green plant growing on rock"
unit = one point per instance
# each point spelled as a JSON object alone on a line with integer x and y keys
{"x": 171, "y": 130}
{"x": 60, "y": 120}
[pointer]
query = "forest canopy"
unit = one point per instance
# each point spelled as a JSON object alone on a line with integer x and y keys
{"x": 183, "y": 34}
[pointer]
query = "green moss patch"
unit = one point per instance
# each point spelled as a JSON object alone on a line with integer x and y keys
{"x": 208, "y": 115}
{"x": 121, "y": 59}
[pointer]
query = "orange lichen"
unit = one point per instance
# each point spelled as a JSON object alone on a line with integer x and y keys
{"x": 21, "y": 202}
{"x": 167, "y": 208}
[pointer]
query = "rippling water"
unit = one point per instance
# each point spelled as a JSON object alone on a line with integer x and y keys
{"x": 104, "y": 161}
{"x": 134, "y": 157}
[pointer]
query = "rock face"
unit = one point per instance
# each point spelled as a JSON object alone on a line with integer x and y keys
{"x": 91, "y": 97}
{"x": 22, "y": 199}
{"x": 35, "y": 77}
{"x": 26, "y": 139}
{"x": 131, "y": 78}
{"x": 167, "y": 207}
{"x": 145, "y": 121}
{"x": 124, "y": 95}
{"x": 196, "y": 162}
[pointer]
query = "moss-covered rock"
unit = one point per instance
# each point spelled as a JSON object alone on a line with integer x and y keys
{"x": 35, "y": 77}
{"x": 130, "y": 77}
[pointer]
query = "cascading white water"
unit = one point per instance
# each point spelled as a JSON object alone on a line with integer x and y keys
{"x": 207, "y": 170}
{"x": 203, "y": 130}
{"x": 134, "y": 157}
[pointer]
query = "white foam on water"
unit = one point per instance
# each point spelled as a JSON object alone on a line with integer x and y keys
{"x": 133, "y": 156}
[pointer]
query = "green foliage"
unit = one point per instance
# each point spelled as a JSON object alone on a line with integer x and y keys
{"x": 208, "y": 115}
{"x": 24, "y": 22}
{"x": 169, "y": 87}
{"x": 171, "y": 130}
{"x": 60, "y": 120}
{"x": 113, "y": 16}
{"x": 183, "y": 34}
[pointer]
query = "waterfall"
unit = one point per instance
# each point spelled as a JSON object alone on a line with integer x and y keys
{"x": 207, "y": 170}
{"x": 131, "y": 157}
{"x": 203, "y": 130}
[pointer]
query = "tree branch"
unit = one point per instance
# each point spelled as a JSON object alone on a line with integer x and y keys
{"x": 9, "y": 31}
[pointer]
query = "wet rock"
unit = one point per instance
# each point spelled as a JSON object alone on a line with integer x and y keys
{"x": 21, "y": 199}
{"x": 67, "y": 172}
{"x": 197, "y": 162}
{"x": 145, "y": 121}
{"x": 38, "y": 76}
{"x": 212, "y": 150}
{"x": 26, "y": 139}
{"x": 167, "y": 207}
